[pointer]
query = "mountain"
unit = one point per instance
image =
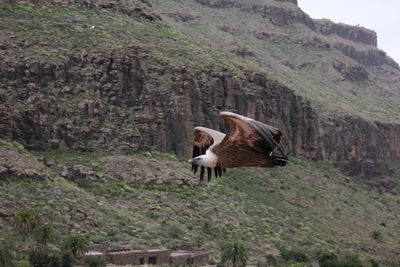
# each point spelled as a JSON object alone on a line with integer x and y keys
{"x": 92, "y": 89}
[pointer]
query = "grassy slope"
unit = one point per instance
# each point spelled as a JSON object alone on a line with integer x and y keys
{"x": 306, "y": 69}
{"x": 306, "y": 205}
{"x": 52, "y": 33}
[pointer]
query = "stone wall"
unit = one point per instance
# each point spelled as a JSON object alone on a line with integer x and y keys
{"x": 134, "y": 257}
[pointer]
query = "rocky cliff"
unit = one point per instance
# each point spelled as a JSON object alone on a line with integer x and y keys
{"x": 132, "y": 99}
{"x": 124, "y": 104}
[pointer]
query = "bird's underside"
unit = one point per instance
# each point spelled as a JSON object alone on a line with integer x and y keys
{"x": 248, "y": 143}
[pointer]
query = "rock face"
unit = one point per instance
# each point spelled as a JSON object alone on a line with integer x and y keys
{"x": 130, "y": 8}
{"x": 353, "y": 33}
{"x": 276, "y": 14}
{"x": 125, "y": 102}
{"x": 129, "y": 100}
{"x": 19, "y": 165}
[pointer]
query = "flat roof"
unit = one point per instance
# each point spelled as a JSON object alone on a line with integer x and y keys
{"x": 158, "y": 250}
{"x": 94, "y": 253}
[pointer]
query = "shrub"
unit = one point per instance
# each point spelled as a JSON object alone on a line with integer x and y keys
{"x": 235, "y": 252}
{"x": 327, "y": 259}
{"x": 42, "y": 258}
{"x": 22, "y": 263}
{"x": 6, "y": 257}
{"x": 373, "y": 263}
{"x": 26, "y": 220}
{"x": 76, "y": 244}
{"x": 44, "y": 234}
{"x": 293, "y": 255}
{"x": 94, "y": 262}
{"x": 271, "y": 260}
{"x": 67, "y": 259}
{"x": 377, "y": 235}
{"x": 352, "y": 260}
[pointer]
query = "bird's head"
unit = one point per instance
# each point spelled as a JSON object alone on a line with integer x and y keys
{"x": 205, "y": 161}
{"x": 196, "y": 160}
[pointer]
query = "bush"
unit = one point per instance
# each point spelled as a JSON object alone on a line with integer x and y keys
{"x": 77, "y": 244}
{"x": 271, "y": 260}
{"x": 6, "y": 257}
{"x": 94, "y": 261}
{"x": 327, "y": 259}
{"x": 67, "y": 259}
{"x": 22, "y": 263}
{"x": 377, "y": 235}
{"x": 373, "y": 263}
{"x": 293, "y": 255}
{"x": 42, "y": 258}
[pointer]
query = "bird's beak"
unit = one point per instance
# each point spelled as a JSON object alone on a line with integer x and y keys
{"x": 190, "y": 161}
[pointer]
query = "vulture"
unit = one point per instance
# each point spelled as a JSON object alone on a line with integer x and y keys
{"x": 248, "y": 143}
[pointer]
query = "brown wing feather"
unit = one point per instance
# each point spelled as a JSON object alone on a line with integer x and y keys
{"x": 201, "y": 142}
{"x": 248, "y": 143}
{"x": 204, "y": 138}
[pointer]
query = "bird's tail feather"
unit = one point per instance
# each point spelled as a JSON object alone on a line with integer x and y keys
{"x": 279, "y": 160}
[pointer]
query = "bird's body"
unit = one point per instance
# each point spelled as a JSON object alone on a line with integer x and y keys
{"x": 248, "y": 143}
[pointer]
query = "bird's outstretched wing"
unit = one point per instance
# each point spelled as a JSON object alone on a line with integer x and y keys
{"x": 249, "y": 143}
{"x": 203, "y": 139}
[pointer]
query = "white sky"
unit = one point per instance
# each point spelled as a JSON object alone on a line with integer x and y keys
{"x": 381, "y": 16}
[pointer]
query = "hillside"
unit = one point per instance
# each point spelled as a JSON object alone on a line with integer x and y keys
{"x": 306, "y": 205}
{"x": 98, "y": 100}
{"x": 338, "y": 67}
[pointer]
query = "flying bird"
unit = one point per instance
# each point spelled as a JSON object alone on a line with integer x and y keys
{"x": 248, "y": 143}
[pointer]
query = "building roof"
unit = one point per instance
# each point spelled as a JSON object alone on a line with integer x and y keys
{"x": 94, "y": 253}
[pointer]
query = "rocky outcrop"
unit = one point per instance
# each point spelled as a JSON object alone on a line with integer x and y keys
{"x": 366, "y": 57}
{"x": 125, "y": 101}
{"x": 354, "y": 33}
{"x": 288, "y": 1}
{"x": 19, "y": 165}
{"x": 278, "y": 15}
{"x": 358, "y": 146}
{"x": 353, "y": 73}
{"x": 145, "y": 170}
{"x": 130, "y": 8}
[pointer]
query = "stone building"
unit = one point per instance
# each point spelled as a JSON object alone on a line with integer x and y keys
{"x": 152, "y": 257}
{"x": 183, "y": 257}
{"x": 139, "y": 257}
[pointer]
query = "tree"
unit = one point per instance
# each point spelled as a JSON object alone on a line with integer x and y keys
{"x": 234, "y": 252}
{"x": 77, "y": 244}
{"x": 44, "y": 234}
{"x": 6, "y": 257}
{"x": 26, "y": 220}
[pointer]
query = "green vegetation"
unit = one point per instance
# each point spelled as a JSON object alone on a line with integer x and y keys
{"x": 6, "y": 257}
{"x": 94, "y": 262}
{"x": 294, "y": 54}
{"x": 26, "y": 220}
{"x": 234, "y": 253}
{"x": 54, "y": 32}
{"x": 44, "y": 234}
{"x": 288, "y": 213}
{"x": 78, "y": 245}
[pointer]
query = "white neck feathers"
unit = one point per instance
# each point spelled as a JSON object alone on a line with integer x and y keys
{"x": 209, "y": 159}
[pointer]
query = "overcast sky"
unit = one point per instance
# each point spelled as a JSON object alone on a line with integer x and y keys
{"x": 381, "y": 16}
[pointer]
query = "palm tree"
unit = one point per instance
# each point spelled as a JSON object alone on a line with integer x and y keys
{"x": 77, "y": 244}
{"x": 44, "y": 234}
{"x": 235, "y": 252}
{"x": 6, "y": 257}
{"x": 26, "y": 220}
